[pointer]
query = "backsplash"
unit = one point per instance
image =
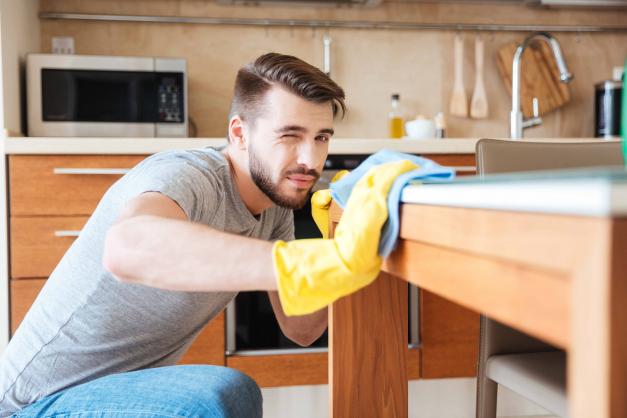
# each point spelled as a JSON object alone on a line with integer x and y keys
{"x": 369, "y": 64}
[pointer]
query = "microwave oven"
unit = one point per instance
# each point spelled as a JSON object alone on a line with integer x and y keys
{"x": 106, "y": 96}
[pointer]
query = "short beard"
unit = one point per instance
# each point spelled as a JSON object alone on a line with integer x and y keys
{"x": 262, "y": 179}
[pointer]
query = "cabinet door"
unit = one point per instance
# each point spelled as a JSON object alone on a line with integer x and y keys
{"x": 449, "y": 335}
{"x": 209, "y": 346}
{"x": 39, "y": 242}
{"x": 57, "y": 185}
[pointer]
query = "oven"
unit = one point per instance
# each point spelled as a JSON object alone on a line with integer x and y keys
{"x": 251, "y": 328}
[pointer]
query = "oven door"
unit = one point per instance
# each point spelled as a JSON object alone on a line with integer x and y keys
{"x": 252, "y": 329}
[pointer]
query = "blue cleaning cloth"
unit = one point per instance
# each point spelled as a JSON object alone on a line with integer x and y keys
{"x": 428, "y": 170}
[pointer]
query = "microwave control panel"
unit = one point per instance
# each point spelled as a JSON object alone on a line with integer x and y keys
{"x": 170, "y": 90}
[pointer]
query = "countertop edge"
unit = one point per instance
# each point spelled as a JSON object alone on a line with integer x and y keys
{"x": 562, "y": 196}
{"x": 29, "y": 145}
{"x": 139, "y": 146}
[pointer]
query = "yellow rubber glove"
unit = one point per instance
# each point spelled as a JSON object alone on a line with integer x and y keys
{"x": 313, "y": 273}
{"x": 320, "y": 203}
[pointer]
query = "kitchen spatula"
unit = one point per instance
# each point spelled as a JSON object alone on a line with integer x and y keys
{"x": 459, "y": 101}
{"x": 479, "y": 101}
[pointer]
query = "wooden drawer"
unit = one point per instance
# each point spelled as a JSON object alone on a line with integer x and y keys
{"x": 283, "y": 369}
{"x": 23, "y": 294}
{"x": 38, "y": 243}
{"x": 63, "y": 184}
{"x": 299, "y": 369}
{"x": 463, "y": 163}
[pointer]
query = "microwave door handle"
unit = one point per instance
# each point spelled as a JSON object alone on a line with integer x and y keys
{"x": 91, "y": 171}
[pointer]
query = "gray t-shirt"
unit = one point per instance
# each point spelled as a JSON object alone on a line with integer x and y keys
{"x": 85, "y": 324}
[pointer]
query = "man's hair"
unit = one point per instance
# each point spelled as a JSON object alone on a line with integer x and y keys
{"x": 293, "y": 74}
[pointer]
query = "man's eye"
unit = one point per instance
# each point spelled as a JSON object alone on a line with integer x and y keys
{"x": 323, "y": 138}
{"x": 288, "y": 136}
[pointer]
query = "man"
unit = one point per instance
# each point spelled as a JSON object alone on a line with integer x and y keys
{"x": 167, "y": 248}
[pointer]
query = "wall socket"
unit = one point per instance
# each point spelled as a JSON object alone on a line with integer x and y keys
{"x": 62, "y": 45}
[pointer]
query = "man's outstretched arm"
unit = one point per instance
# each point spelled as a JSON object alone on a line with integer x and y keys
{"x": 152, "y": 243}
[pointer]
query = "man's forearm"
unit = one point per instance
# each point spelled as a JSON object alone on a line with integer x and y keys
{"x": 303, "y": 330}
{"x": 180, "y": 255}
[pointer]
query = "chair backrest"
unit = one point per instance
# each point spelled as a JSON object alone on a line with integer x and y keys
{"x": 503, "y": 156}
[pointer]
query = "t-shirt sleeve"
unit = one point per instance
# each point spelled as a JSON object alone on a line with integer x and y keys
{"x": 191, "y": 184}
{"x": 284, "y": 226}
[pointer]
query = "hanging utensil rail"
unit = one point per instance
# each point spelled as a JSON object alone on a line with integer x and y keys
{"x": 327, "y": 24}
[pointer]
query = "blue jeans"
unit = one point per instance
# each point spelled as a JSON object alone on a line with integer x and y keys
{"x": 164, "y": 392}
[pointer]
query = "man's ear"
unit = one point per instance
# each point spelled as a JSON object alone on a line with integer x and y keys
{"x": 236, "y": 132}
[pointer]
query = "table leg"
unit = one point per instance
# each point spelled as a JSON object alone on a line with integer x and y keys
{"x": 368, "y": 352}
{"x": 597, "y": 360}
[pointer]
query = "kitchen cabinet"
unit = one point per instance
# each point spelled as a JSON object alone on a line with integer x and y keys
{"x": 52, "y": 196}
{"x": 50, "y": 199}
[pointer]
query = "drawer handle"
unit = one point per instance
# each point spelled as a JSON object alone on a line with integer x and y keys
{"x": 92, "y": 171}
{"x": 464, "y": 169}
{"x": 66, "y": 233}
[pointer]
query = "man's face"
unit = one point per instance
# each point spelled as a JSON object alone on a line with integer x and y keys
{"x": 288, "y": 146}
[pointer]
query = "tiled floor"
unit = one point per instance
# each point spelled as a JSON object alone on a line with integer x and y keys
{"x": 442, "y": 398}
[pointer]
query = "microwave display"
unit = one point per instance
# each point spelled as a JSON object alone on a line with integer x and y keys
{"x": 112, "y": 96}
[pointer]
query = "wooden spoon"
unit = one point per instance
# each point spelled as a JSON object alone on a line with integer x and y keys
{"x": 459, "y": 101}
{"x": 479, "y": 102}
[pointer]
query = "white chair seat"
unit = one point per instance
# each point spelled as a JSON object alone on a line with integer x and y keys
{"x": 540, "y": 377}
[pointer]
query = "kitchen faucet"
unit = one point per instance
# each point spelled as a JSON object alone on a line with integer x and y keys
{"x": 516, "y": 122}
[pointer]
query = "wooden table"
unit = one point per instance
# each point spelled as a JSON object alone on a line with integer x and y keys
{"x": 553, "y": 266}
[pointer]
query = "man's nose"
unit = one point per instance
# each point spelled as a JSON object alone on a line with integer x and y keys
{"x": 308, "y": 156}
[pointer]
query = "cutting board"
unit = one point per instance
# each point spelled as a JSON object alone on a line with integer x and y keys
{"x": 540, "y": 78}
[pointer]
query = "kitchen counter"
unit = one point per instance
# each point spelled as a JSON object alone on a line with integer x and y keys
{"x": 31, "y": 145}
{"x": 28, "y": 145}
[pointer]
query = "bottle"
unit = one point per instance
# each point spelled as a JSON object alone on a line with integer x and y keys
{"x": 440, "y": 125}
{"x": 395, "y": 119}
